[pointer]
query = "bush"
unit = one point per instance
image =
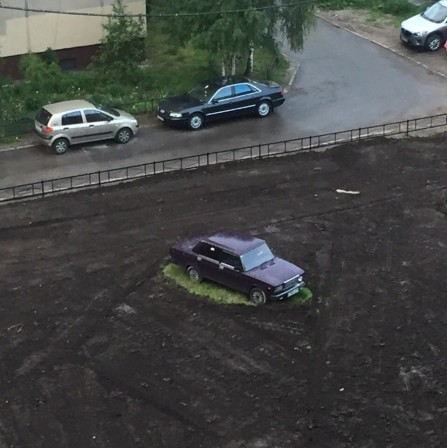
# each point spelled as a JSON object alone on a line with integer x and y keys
{"x": 39, "y": 75}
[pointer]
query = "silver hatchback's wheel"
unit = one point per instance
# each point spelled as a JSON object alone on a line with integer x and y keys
{"x": 194, "y": 274}
{"x": 195, "y": 122}
{"x": 434, "y": 42}
{"x": 60, "y": 146}
{"x": 258, "y": 296}
{"x": 264, "y": 108}
{"x": 123, "y": 135}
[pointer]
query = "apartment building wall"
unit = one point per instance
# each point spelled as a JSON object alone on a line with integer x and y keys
{"x": 75, "y": 38}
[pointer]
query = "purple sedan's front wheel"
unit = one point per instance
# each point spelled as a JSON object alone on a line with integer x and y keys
{"x": 258, "y": 296}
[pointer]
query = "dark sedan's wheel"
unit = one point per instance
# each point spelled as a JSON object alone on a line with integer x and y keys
{"x": 434, "y": 42}
{"x": 264, "y": 108}
{"x": 60, "y": 146}
{"x": 258, "y": 296}
{"x": 194, "y": 274}
{"x": 123, "y": 135}
{"x": 195, "y": 122}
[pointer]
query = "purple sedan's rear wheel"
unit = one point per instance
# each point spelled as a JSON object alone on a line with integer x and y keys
{"x": 194, "y": 274}
{"x": 258, "y": 296}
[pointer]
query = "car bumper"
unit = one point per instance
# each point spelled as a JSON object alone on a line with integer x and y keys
{"x": 414, "y": 41}
{"x": 278, "y": 101}
{"x": 170, "y": 121}
{"x": 44, "y": 140}
{"x": 288, "y": 292}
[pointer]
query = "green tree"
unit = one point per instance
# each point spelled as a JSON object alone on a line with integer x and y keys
{"x": 123, "y": 46}
{"x": 233, "y": 29}
{"x": 40, "y": 75}
{"x": 49, "y": 56}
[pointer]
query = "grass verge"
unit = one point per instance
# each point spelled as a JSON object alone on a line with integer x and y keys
{"x": 220, "y": 294}
{"x": 400, "y": 9}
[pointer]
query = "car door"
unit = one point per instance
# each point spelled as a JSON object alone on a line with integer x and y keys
{"x": 230, "y": 271}
{"x": 100, "y": 125}
{"x": 220, "y": 105}
{"x": 73, "y": 126}
{"x": 245, "y": 98}
{"x": 207, "y": 260}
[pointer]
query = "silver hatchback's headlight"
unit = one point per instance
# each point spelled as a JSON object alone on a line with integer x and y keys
{"x": 175, "y": 115}
{"x": 420, "y": 33}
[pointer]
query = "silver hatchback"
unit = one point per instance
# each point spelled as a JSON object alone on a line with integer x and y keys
{"x": 60, "y": 125}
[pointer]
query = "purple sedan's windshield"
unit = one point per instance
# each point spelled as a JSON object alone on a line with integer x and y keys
{"x": 255, "y": 257}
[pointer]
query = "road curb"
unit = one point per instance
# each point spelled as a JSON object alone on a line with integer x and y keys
{"x": 408, "y": 58}
{"x": 295, "y": 69}
{"x": 13, "y": 148}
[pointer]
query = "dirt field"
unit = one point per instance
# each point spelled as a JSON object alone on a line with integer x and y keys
{"x": 98, "y": 350}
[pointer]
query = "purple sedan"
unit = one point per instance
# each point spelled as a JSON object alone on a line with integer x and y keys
{"x": 238, "y": 261}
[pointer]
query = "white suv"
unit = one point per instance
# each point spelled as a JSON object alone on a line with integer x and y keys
{"x": 60, "y": 125}
{"x": 427, "y": 30}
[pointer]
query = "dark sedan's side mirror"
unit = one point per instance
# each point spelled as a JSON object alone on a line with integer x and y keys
{"x": 214, "y": 101}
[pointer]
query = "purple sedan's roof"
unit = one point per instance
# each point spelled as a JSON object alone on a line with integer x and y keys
{"x": 234, "y": 240}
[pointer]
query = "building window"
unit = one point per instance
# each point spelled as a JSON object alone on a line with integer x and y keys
{"x": 68, "y": 64}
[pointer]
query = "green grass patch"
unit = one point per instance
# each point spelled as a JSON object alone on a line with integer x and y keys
{"x": 304, "y": 296}
{"x": 220, "y": 294}
{"x": 215, "y": 292}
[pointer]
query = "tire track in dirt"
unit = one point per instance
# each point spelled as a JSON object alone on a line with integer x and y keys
{"x": 93, "y": 313}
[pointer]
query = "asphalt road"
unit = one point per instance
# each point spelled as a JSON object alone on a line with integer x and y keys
{"x": 344, "y": 82}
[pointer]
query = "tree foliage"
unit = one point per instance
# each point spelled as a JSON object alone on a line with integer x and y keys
{"x": 39, "y": 74}
{"x": 231, "y": 29}
{"x": 123, "y": 46}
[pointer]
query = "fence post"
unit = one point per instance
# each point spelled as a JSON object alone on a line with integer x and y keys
{"x": 408, "y": 124}
{"x": 41, "y": 184}
{"x": 99, "y": 178}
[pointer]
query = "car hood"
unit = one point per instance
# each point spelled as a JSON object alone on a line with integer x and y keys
{"x": 178, "y": 103}
{"x": 275, "y": 272}
{"x": 417, "y": 24}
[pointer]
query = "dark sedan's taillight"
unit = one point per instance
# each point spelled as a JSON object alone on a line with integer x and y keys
{"x": 282, "y": 91}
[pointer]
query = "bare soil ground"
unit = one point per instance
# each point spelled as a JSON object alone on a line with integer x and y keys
{"x": 98, "y": 350}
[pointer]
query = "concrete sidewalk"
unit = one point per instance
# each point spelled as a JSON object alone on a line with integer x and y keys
{"x": 384, "y": 32}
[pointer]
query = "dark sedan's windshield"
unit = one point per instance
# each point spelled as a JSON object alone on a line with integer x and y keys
{"x": 436, "y": 13}
{"x": 255, "y": 257}
{"x": 203, "y": 92}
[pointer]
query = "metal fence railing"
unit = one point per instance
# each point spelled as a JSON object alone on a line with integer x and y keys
{"x": 261, "y": 150}
{"x": 17, "y": 127}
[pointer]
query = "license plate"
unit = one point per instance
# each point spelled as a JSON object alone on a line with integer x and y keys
{"x": 294, "y": 291}
{"x": 160, "y": 118}
{"x": 404, "y": 39}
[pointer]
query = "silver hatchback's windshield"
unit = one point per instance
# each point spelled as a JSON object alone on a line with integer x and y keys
{"x": 110, "y": 110}
{"x": 436, "y": 13}
{"x": 255, "y": 257}
{"x": 203, "y": 92}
